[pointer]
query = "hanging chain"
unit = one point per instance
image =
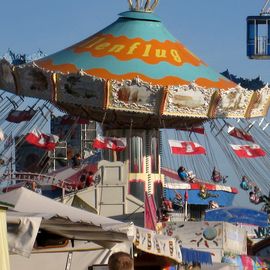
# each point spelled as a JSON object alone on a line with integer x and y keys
{"x": 265, "y": 10}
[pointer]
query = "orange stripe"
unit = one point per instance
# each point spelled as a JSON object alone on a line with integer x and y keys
{"x": 169, "y": 80}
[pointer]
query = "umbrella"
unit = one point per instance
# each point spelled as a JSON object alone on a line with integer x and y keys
{"x": 238, "y": 215}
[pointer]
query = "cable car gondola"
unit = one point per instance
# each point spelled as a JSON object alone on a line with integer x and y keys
{"x": 258, "y": 34}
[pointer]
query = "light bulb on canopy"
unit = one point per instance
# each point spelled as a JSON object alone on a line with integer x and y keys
{"x": 134, "y": 71}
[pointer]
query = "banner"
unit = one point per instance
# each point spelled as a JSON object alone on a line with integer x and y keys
{"x": 248, "y": 151}
{"x": 186, "y": 148}
{"x": 111, "y": 143}
{"x": 240, "y": 134}
{"x": 157, "y": 244}
{"x": 45, "y": 141}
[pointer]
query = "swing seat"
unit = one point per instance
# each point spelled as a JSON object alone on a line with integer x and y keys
{"x": 255, "y": 200}
{"x": 244, "y": 187}
{"x": 217, "y": 179}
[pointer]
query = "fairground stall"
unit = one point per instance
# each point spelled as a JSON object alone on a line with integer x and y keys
{"x": 47, "y": 234}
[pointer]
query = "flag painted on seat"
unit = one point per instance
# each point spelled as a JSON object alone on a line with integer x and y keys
{"x": 70, "y": 120}
{"x": 248, "y": 151}
{"x": 111, "y": 143}
{"x": 16, "y": 116}
{"x": 41, "y": 140}
{"x": 240, "y": 134}
{"x": 199, "y": 129}
{"x": 186, "y": 148}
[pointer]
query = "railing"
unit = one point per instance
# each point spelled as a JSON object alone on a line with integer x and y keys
{"x": 41, "y": 179}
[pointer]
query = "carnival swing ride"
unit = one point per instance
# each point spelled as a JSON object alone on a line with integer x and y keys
{"x": 135, "y": 78}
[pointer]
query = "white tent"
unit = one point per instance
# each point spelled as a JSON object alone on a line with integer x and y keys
{"x": 32, "y": 212}
{"x": 98, "y": 235}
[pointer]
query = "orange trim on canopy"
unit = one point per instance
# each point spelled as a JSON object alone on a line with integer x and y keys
{"x": 220, "y": 84}
{"x": 169, "y": 80}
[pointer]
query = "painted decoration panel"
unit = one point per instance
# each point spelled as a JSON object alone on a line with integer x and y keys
{"x": 189, "y": 100}
{"x": 80, "y": 89}
{"x": 198, "y": 235}
{"x": 34, "y": 82}
{"x": 208, "y": 236}
{"x": 261, "y": 104}
{"x": 134, "y": 95}
{"x": 234, "y": 239}
{"x": 7, "y": 81}
{"x": 234, "y": 102}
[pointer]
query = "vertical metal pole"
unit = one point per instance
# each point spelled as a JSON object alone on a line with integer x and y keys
{"x": 114, "y": 156}
{"x": 54, "y": 160}
{"x": 10, "y": 174}
{"x": 63, "y": 193}
{"x": 186, "y": 211}
{"x": 82, "y": 140}
{"x": 69, "y": 260}
{"x": 186, "y": 206}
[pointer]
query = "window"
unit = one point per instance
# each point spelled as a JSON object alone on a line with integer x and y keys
{"x": 49, "y": 240}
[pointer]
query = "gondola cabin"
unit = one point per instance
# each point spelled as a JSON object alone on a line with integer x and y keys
{"x": 258, "y": 37}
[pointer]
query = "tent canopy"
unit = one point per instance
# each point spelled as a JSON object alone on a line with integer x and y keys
{"x": 27, "y": 201}
{"x": 33, "y": 211}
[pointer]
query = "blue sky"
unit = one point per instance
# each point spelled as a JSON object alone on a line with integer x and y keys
{"x": 214, "y": 30}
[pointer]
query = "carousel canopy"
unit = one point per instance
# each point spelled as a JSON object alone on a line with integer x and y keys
{"x": 134, "y": 72}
